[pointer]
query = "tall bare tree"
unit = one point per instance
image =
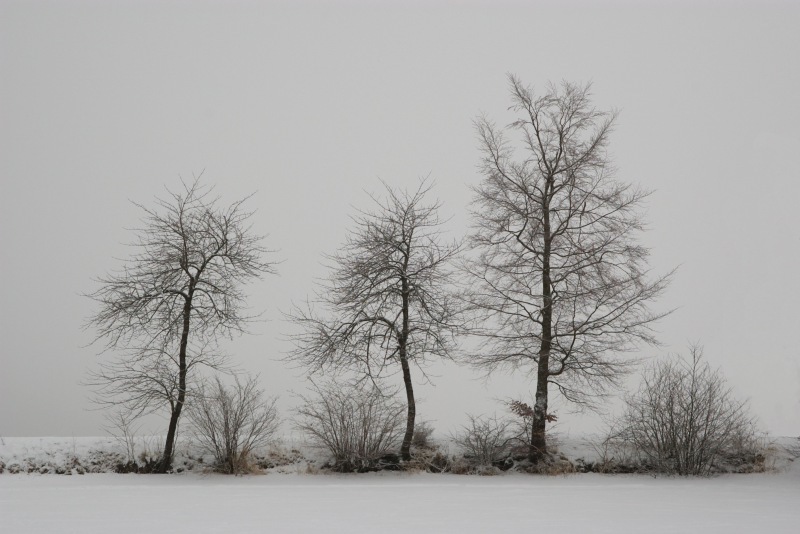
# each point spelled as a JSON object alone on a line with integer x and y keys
{"x": 174, "y": 298}
{"x": 386, "y": 302}
{"x": 556, "y": 273}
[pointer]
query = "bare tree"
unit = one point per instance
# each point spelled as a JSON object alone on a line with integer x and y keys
{"x": 386, "y": 301}
{"x": 175, "y": 297}
{"x": 556, "y": 274}
{"x": 232, "y": 422}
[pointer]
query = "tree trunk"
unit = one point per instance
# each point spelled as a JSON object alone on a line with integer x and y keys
{"x": 169, "y": 446}
{"x": 166, "y": 459}
{"x": 538, "y": 447}
{"x": 405, "y": 448}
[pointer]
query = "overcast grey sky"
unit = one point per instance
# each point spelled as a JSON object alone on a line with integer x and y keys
{"x": 308, "y": 103}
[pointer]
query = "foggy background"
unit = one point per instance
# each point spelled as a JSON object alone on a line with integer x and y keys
{"x": 309, "y": 103}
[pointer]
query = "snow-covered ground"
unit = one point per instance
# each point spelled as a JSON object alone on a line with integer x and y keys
{"x": 398, "y": 502}
{"x": 103, "y": 503}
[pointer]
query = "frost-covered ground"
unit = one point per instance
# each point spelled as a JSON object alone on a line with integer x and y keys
{"x": 398, "y": 502}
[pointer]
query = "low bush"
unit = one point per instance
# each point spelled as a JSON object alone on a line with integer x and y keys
{"x": 553, "y": 463}
{"x": 485, "y": 441}
{"x": 685, "y": 420}
{"x": 231, "y": 422}
{"x": 358, "y": 426}
{"x": 122, "y": 425}
{"x": 423, "y": 436}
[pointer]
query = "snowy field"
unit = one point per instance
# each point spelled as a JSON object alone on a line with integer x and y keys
{"x": 103, "y": 503}
{"x": 399, "y": 502}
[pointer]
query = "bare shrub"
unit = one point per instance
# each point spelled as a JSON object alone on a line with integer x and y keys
{"x": 423, "y": 436}
{"x": 152, "y": 450}
{"x": 684, "y": 419}
{"x": 427, "y": 454}
{"x": 232, "y": 422}
{"x": 553, "y": 464}
{"x": 611, "y": 455}
{"x": 121, "y": 424}
{"x": 485, "y": 440}
{"x": 356, "y": 425}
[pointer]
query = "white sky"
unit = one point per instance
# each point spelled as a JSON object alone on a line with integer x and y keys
{"x": 309, "y": 103}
